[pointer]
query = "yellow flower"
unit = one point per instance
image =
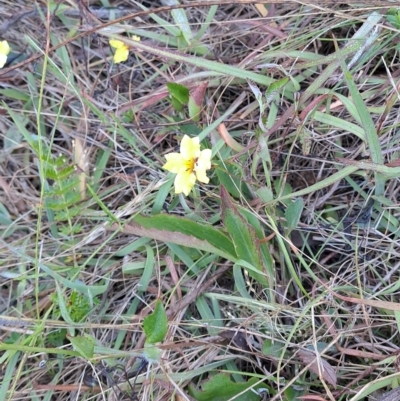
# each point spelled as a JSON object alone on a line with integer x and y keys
{"x": 121, "y": 50}
{"x": 188, "y": 165}
{"x": 4, "y": 50}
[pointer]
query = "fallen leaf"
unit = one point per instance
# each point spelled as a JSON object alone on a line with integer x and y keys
{"x": 326, "y": 370}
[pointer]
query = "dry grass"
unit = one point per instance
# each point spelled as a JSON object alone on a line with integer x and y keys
{"x": 83, "y": 143}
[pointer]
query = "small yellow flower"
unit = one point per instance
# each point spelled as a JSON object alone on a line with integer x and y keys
{"x": 4, "y": 50}
{"x": 121, "y": 50}
{"x": 188, "y": 165}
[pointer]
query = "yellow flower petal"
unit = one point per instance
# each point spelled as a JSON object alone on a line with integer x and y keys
{"x": 190, "y": 147}
{"x": 122, "y": 51}
{"x": 202, "y": 176}
{"x": 4, "y": 50}
{"x": 174, "y": 163}
{"x": 121, "y": 55}
{"x": 4, "y": 47}
{"x": 3, "y": 60}
{"x": 202, "y": 164}
{"x": 184, "y": 182}
{"x": 136, "y": 38}
{"x": 204, "y": 160}
{"x": 116, "y": 44}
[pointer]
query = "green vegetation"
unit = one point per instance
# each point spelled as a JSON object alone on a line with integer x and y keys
{"x": 276, "y": 277}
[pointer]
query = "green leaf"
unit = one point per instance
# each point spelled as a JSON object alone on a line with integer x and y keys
{"x": 176, "y": 104}
{"x": 393, "y": 16}
{"x": 178, "y": 92}
{"x": 273, "y": 349}
{"x": 181, "y": 231}
{"x": 229, "y": 179}
{"x": 181, "y": 20}
{"x": 293, "y": 213}
{"x": 222, "y": 388}
{"x": 155, "y": 325}
{"x": 371, "y": 134}
{"x": 14, "y": 94}
{"x": 151, "y": 353}
{"x": 274, "y": 88}
{"x": 243, "y": 236}
{"x": 83, "y": 344}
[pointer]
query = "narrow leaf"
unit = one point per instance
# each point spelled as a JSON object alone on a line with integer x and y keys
{"x": 243, "y": 236}
{"x": 181, "y": 231}
{"x": 181, "y": 20}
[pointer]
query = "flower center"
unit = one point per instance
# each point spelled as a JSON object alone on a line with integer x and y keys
{"x": 190, "y": 165}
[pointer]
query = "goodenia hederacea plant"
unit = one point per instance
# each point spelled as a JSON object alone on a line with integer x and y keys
{"x": 244, "y": 238}
{"x": 155, "y": 327}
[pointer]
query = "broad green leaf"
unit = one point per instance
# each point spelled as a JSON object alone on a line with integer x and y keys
{"x": 243, "y": 236}
{"x": 176, "y": 104}
{"x": 221, "y": 388}
{"x": 293, "y": 213}
{"x": 83, "y": 344}
{"x": 181, "y": 231}
{"x": 155, "y": 325}
{"x": 265, "y": 194}
{"x": 178, "y": 92}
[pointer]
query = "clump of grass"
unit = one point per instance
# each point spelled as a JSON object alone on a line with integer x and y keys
{"x": 277, "y": 277}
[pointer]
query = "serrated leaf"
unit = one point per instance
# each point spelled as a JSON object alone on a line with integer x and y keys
{"x": 181, "y": 231}
{"x": 155, "y": 325}
{"x": 221, "y": 388}
{"x": 243, "y": 237}
{"x": 293, "y": 213}
{"x": 83, "y": 344}
{"x": 179, "y": 92}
